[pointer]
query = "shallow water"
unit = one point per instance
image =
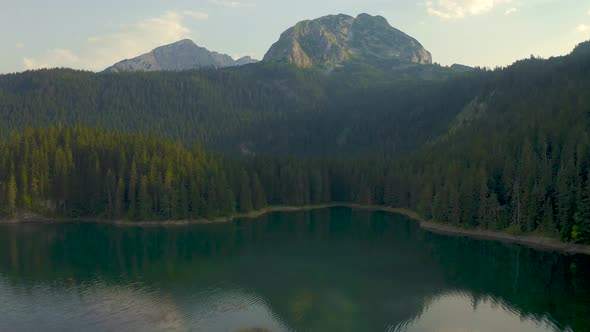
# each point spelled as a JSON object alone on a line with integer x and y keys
{"x": 326, "y": 270}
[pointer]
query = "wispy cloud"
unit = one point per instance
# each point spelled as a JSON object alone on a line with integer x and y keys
{"x": 19, "y": 45}
{"x": 99, "y": 52}
{"x": 57, "y": 57}
{"x": 582, "y": 28}
{"x": 232, "y": 4}
{"x": 458, "y": 9}
{"x": 510, "y": 11}
{"x": 199, "y": 15}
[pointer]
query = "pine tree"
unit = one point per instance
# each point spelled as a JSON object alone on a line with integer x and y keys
{"x": 168, "y": 197}
{"x": 245, "y": 201}
{"x": 548, "y": 221}
{"x": 111, "y": 189}
{"x": 493, "y": 212}
{"x": 197, "y": 200}
{"x": 316, "y": 186}
{"x": 566, "y": 198}
{"x": 132, "y": 193}
{"x": 119, "y": 198}
{"x": 258, "y": 196}
{"x": 440, "y": 206}
{"x": 61, "y": 170}
{"x": 581, "y": 229}
{"x": 24, "y": 184}
{"x": 484, "y": 213}
{"x": 12, "y": 195}
{"x": 145, "y": 201}
{"x": 425, "y": 201}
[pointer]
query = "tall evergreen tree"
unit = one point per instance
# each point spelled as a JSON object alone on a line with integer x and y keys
{"x": 12, "y": 195}
{"x": 258, "y": 195}
{"x": 245, "y": 199}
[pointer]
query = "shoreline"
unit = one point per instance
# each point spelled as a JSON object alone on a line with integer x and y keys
{"x": 32, "y": 218}
{"x": 532, "y": 241}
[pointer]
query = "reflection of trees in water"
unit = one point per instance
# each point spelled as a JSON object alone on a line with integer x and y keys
{"x": 312, "y": 273}
{"x": 538, "y": 285}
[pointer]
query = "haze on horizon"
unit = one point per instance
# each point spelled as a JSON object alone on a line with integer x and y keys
{"x": 94, "y": 35}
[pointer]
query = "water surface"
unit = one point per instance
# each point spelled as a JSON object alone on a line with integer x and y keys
{"x": 327, "y": 270}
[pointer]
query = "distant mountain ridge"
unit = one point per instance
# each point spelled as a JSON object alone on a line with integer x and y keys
{"x": 337, "y": 39}
{"x": 331, "y": 41}
{"x": 182, "y": 55}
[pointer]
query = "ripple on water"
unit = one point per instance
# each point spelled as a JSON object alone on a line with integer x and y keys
{"x": 88, "y": 306}
{"x": 225, "y": 307}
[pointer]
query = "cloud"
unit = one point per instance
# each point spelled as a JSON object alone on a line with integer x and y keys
{"x": 58, "y": 57}
{"x": 232, "y": 4}
{"x": 196, "y": 14}
{"x": 99, "y": 52}
{"x": 19, "y": 45}
{"x": 510, "y": 11}
{"x": 457, "y": 9}
{"x": 582, "y": 28}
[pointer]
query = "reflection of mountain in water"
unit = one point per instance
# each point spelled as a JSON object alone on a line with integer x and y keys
{"x": 323, "y": 270}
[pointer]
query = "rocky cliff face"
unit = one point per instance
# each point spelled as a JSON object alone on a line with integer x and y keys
{"x": 336, "y": 39}
{"x": 182, "y": 55}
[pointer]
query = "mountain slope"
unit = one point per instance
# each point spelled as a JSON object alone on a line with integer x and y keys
{"x": 507, "y": 149}
{"x": 182, "y": 55}
{"x": 263, "y": 108}
{"x": 337, "y": 39}
{"x": 517, "y": 157}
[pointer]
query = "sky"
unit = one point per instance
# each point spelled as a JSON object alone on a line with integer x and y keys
{"x": 93, "y": 35}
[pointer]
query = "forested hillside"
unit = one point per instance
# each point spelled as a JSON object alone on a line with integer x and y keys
{"x": 263, "y": 108}
{"x": 517, "y": 158}
{"x": 80, "y": 172}
{"x": 504, "y": 150}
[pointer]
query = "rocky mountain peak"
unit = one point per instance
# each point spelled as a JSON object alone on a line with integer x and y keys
{"x": 178, "y": 56}
{"x": 336, "y": 39}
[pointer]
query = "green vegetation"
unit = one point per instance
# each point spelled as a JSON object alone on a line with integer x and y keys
{"x": 264, "y": 109}
{"x": 507, "y": 149}
{"x": 78, "y": 172}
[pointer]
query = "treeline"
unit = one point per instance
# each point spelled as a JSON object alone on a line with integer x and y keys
{"x": 80, "y": 172}
{"x": 542, "y": 185}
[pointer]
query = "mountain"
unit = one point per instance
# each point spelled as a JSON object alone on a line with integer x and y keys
{"x": 245, "y": 61}
{"x": 336, "y": 39}
{"x": 502, "y": 149}
{"x": 182, "y": 55}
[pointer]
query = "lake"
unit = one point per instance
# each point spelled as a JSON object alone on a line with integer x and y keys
{"x": 334, "y": 269}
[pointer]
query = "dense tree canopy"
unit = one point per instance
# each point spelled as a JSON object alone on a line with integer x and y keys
{"x": 507, "y": 149}
{"x": 80, "y": 172}
{"x": 265, "y": 108}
